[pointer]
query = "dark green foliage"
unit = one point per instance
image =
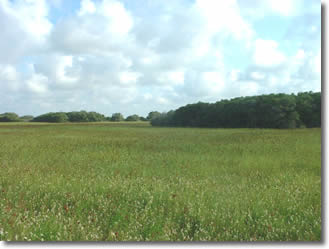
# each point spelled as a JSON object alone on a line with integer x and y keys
{"x": 164, "y": 119}
{"x": 309, "y": 108}
{"x": 52, "y": 117}
{"x": 117, "y": 117}
{"x": 132, "y": 118}
{"x": 59, "y": 117}
{"x": 9, "y": 117}
{"x": 153, "y": 115}
{"x": 143, "y": 119}
{"x": 95, "y": 117}
{"x": 81, "y": 116}
{"x": 280, "y": 111}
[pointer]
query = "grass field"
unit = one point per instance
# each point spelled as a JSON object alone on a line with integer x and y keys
{"x": 134, "y": 182}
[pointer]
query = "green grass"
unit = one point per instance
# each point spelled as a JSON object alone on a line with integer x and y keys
{"x": 133, "y": 182}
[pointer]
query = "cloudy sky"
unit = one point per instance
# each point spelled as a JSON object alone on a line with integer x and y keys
{"x": 138, "y": 56}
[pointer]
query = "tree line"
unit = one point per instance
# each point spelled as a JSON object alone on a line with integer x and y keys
{"x": 76, "y": 116}
{"x": 263, "y": 111}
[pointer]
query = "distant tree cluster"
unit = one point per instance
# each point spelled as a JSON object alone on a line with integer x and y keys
{"x": 264, "y": 111}
{"x": 9, "y": 117}
{"x": 52, "y": 117}
{"x": 132, "y": 118}
{"x": 117, "y": 117}
{"x": 153, "y": 115}
{"x": 60, "y": 117}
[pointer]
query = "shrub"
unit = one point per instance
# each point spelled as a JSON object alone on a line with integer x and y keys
{"x": 117, "y": 117}
{"x": 132, "y": 118}
{"x": 52, "y": 117}
{"x": 9, "y": 117}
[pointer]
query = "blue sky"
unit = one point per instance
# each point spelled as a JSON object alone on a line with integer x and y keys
{"x": 139, "y": 56}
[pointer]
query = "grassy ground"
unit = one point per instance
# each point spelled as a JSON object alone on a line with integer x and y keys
{"x": 133, "y": 182}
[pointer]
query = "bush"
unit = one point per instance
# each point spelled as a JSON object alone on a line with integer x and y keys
{"x": 81, "y": 116}
{"x": 84, "y": 116}
{"x": 117, "y": 117}
{"x": 9, "y": 117}
{"x": 153, "y": 115}
{"x": 52, "y": 117}
{"x": 132, "y": 118}
{"x": 95, "y": 117}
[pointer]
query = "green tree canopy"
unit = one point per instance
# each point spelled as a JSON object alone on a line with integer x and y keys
{"x": 117, "y": 117}
{"x": 132, "y": 118}
{"x": 9, "y": 117}
{"x": 153, "y": 115}
{"x": 52, "y": 117}
{"x": 263, "y": 111}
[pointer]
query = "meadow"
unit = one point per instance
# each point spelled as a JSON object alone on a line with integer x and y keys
{"x": 132, "y": 182}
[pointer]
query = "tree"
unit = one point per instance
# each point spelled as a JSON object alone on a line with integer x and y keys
{"x": 81, "y": 116}
{"x": 9, "y": 117}
{"x": 84, "y": 116}
{"x": 280, "y": 111}
{"x": 132, "y": 118}
{"x": 117, "y": 117}
{"x": 153, "y": 115}
{"x": 52, "y": 117}
{"x": 95, "y": 117}
{"x": 309, "y": 108}
{"x": 164, "y": 119}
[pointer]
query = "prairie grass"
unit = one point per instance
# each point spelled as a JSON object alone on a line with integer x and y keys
{"x": 133, "y": 182}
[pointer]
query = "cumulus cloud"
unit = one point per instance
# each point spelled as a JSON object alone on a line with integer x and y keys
{"x": 267, "y": 54}
{"x": 37, "y": 84}
{"x": 24, "y": 28}
{"x": 116, "y": 56}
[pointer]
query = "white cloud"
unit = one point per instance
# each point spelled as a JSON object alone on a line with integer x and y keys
{"x": 64, "y": 63}
{"x": 217, "y": 13}
{"x": 258, "y": 9}
{"x": 173, "y": 77}
{"x": 31, "y": 16}
{"x": 9, "y": 78}
{"x": 59, "y": 69}
{"x": 129, "y": 78}
{"x": 8, "y": 73}
{"x": 283, "y": 7}
{"x": 234, "y": 75}
{"x": 38, "y": 84}
{"x": 98, "y": 28}
{"x": 24, "y": 28}
{"x": 249, "y": 88}
{"x": 317, "y": 63}
{"x": 120, "y": 20}
{"x": 111, "y": 55}
{"x": 300, "y": 55}
{"x": 267, "y": 54}
{"x": 87, "y": 7}
{"x": 257, "y": 75}
{"x": 162, "y": 100}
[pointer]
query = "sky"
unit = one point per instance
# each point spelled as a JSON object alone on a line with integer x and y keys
{"x": 135, "y": 57}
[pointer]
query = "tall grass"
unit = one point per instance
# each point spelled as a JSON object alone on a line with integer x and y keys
{"x": 133, "y": 182}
